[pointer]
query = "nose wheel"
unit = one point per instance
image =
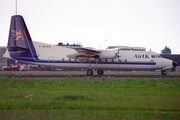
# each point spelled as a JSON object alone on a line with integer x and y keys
{"x": 163, "y": 72}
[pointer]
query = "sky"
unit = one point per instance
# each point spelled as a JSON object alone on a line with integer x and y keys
{"x": 152, "y": 24}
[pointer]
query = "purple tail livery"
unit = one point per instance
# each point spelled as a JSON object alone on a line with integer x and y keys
{"x": 18, "y": 34}
{"x": 20, "y": 40}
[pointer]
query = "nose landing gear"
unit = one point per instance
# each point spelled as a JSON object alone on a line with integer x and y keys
{"x": 163, "y": 72}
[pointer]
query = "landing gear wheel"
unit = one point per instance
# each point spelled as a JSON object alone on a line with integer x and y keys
{"x": 163, "y": 72}
{"x": 89, "y": 72}
{"x": 100, "y": 72}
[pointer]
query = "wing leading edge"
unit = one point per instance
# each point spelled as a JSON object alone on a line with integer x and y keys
{"x": 87, "y": 50}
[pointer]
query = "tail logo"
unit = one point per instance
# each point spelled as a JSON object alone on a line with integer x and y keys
{"x": 18, "y": 34}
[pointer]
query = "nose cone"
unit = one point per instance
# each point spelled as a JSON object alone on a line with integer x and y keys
{"x": 174, "y": 63}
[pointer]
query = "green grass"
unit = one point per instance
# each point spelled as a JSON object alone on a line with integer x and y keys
{"x": 90, "y": 98}
{"x": 83, "y": 73}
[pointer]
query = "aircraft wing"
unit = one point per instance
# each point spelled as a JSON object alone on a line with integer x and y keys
{"x": 87, "y": 50}
{"x": 92, "y": 54}
{"x": 84, "y": 53}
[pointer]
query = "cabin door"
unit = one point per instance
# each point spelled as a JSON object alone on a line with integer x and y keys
{"x": 119, "y": 55}
{"x": 51, "y": 61}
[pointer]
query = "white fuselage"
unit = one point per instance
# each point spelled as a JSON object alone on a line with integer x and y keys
{"x": 56, "y": 56}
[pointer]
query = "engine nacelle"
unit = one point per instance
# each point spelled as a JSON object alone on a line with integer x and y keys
{"x": 106, "y": 54}
{"x": 110, "y": 54}
{"x": 86, "y": 58}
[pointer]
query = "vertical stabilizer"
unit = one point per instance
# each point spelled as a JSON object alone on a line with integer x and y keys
{"x": 20, "y": 45}
{"x": 18, "y": 34}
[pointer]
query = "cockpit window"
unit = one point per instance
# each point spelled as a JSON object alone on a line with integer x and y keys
{"x": 158, "y": 56}
{"x": 155, "y": 56}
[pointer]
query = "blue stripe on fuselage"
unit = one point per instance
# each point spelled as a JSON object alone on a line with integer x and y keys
{"x": 25, "y": 57}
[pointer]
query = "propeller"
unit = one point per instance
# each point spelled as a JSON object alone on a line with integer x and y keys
{"x": 117, "y": 55}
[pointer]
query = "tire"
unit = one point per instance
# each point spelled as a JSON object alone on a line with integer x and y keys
{"x": 163, "y": 72}
{"x": 100, "y": 72}
{"x": 89, "y": 72}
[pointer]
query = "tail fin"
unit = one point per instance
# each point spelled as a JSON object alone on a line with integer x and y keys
{"x": 20, "y": 45}
{"x": 18, "y": 34}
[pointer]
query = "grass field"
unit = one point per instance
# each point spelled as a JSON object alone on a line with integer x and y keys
{"x": 89, "y": 98}
{"x": 83, "y": 73}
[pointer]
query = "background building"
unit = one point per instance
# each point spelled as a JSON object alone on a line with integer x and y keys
{"x": 3, "y": 61}
{"x": 69, "y": 45}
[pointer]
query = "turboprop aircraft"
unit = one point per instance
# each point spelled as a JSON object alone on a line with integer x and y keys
{"x": 21, "y": 47}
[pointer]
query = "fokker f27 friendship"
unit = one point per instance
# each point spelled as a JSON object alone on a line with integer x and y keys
{"x": 22, "y": 48}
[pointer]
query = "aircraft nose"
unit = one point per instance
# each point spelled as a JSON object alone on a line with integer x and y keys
{"x": 174, "y": 63}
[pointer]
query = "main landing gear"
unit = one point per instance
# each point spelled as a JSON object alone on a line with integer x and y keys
{"x": 99, "y": 72}
{"x": 90, "y": 70}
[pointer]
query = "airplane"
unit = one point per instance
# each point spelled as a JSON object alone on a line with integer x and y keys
{"x": 21, "y": 47}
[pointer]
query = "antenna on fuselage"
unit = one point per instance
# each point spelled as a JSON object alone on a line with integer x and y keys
{"x": 106, "y": 44}
{"x": 16, "y": 7}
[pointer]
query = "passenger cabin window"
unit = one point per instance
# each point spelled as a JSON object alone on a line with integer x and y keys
{"x": 112, "y": 60}
{"x": 152, "y": 56}
{"x": 125, "y": 61}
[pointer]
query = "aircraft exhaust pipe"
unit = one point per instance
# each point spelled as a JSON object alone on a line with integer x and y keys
{"x": 96, "y": 56}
